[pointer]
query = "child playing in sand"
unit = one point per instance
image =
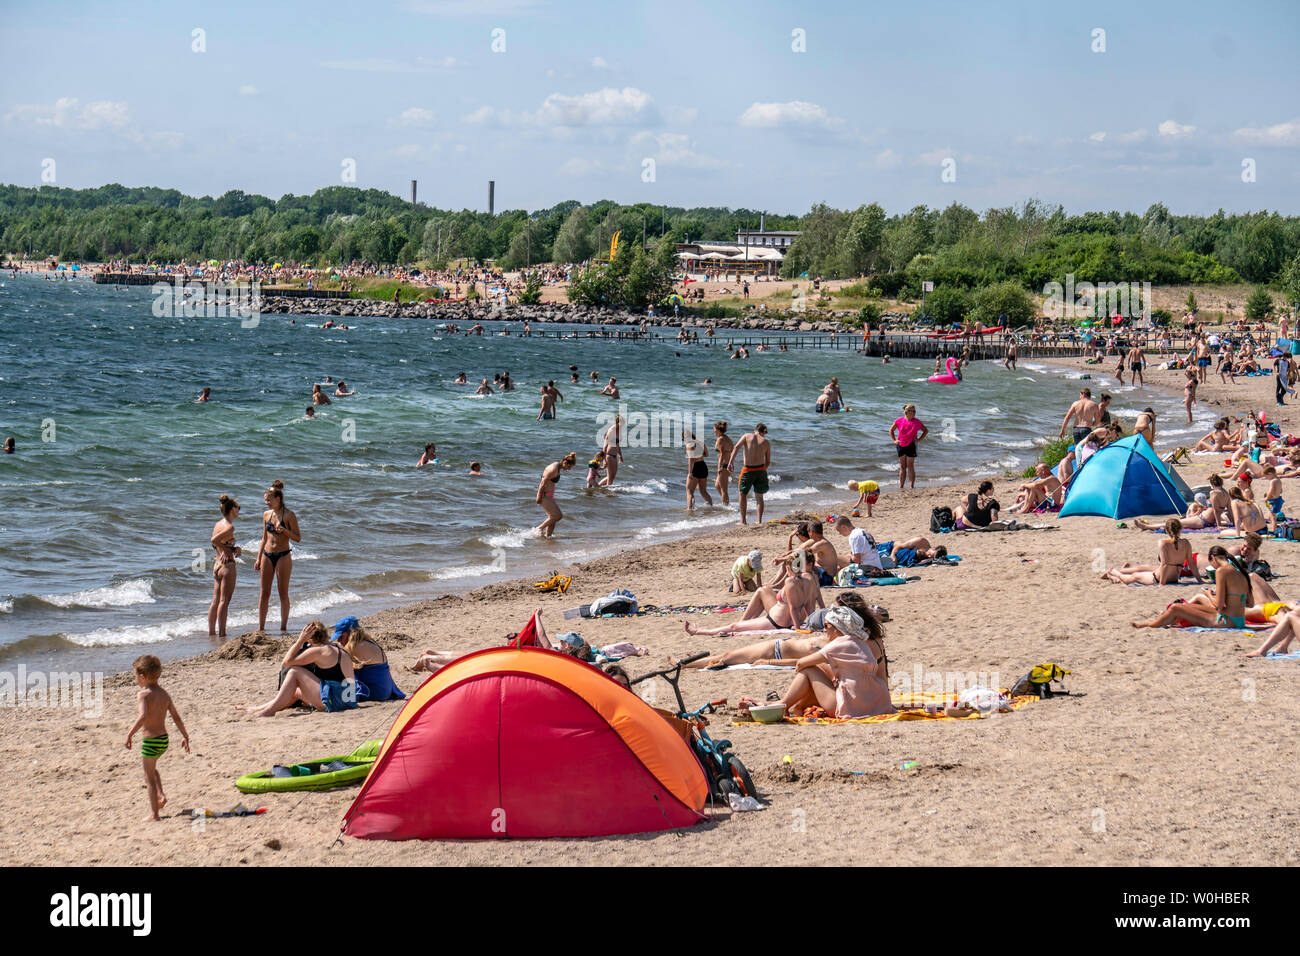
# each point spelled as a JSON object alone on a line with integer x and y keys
{"x": 155, "y": 705}
{"x": 868, "y": 493}
{"x": 747, "y": 573}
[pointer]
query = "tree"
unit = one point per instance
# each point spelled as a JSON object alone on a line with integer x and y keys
{"x": 861, "y": 242}
{"x": 947, "y": 304}
{"x": 1259, "y": 307}
{"x": 573, "y": 243}
{"x": 532, "y": 293}
{"x": 1191, "y": 301}
{"x": 1288, "y": 280}
{"x": 1004, "y": 302}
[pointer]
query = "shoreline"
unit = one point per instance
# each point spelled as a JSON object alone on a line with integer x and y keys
{"x": 1055, "y": 767}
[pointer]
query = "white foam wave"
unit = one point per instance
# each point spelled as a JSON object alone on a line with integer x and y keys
{"x": 655, "y": 486}
{"x": 122, "y": 594}
{"x": 6, "y": 605}
{"x": 992, "y": 410}
{"x": 1014, "y": 444}
{"x": 510, "y": 538}
{"x": 307, "y": 607}
{"x": 787, "y": 495}
{"x": 686, "y": 524}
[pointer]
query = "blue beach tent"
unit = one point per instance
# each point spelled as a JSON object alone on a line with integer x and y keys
{"x": 1123, "y": 480}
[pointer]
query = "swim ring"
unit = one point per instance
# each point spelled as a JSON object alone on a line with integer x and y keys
{"x": 948, "y": 379}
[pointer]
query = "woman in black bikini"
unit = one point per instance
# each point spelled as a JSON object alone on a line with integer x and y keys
{"x": 274, "y": 559}
{"x": 223, "y": 569}
{"x": 546, "y": 493}
{"x": 772, "y": 610}
{"x": 697, "y": 470}
{"x": 308, "y": 670}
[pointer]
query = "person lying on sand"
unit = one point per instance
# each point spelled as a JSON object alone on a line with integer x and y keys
{"x": 1173, "y": 557}
{"x": 772, "y": 610}
{"x": 783, "y": 651}
{"x": 1232, "y": 595}
{"x": 1210, "y": 511}
{"x": 1287, "y": 619}
{"x": 907, "y": 553}
{"x": 849, "y": 676}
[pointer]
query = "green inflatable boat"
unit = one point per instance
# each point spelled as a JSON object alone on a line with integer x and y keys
{"x": 308, "y": 774}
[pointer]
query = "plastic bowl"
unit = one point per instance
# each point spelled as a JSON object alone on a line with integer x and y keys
{"x": 768, "y": 713}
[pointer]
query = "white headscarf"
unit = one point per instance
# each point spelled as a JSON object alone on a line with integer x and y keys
{"x": 847, "y": 622}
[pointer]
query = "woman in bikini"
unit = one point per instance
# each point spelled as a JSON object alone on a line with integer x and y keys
{"x": 274, "y": 559}
{"x": 1216, "y": 513}
{"x": 546, "y": 493}
{"x": 770, "y": 610}
{"x": 1246, "y": 515}
{"x": 782, "y": 652}
{"x": 697, "y": 470}
{"x": 1173, "y": 556}
{"x": 223, "y": 568}
{"x": 1189, "y": 393}
{"x": 613, "y": 449}
{"x": 1232, "y": 595}
{"x": 849, "y": 677}
{"x": 724, "y": 446}
{"x": 309, "y": 670}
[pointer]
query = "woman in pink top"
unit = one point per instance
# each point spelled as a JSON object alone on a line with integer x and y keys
{"x": 906, "y": 432}
{"x": 848, "y": 677}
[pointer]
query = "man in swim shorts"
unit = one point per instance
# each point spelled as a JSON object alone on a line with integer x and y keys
{"x": 155, "y": 706}
{"x": 756, "y": 453}
{"x": 1086, "y": 415}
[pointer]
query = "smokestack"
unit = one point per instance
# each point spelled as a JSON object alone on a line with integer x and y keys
{"x": 762, "y": 216}
{"x": 412, "y": 192}
{"x": 492, "y": 196}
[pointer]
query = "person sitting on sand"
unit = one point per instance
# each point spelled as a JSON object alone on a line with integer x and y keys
{"x": 1232, "y": 595}
{"x": 783, "y": 651}
{"x": 979, "y": 511}
{"x": 374, "y": 679}
{"x": 1042, "y": 491}
{"x": 770, "y": 610}
{"x": 746, "y": 573}
{"x": 862, "y": 547}
{"x": 1173, "y": 557}
{"x": 321, "y": 676}
{"x": 1219, "y": 439}
{"x": 1205, "y": 512}
{"x": 849, "y": 677}
{"x": 817, "y": 550}
{"x": 1246, "y": 515}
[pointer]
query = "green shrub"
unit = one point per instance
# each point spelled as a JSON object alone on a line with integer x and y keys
{"x": 1260, "y": 305}
{"x": 858, "y": 290}
{"x": 1051, "y": 454}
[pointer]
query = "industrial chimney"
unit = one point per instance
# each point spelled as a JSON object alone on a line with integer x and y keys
{"x": 412, "y": 192}
{"x": 492, "y": 194}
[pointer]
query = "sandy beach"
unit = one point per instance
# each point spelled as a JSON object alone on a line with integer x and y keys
{"x": 1172, "y": 749}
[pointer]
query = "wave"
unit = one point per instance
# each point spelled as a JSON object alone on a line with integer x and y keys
{"x": 6, "y": 605}
{"x": 122, "y": 594}
{"x": 685, "y": 524}
{"x": 1014, "y": 444}
{"x": 308, "y": 607}
{"x": 510, "y": 538}
{"x": 655, "y": 486}
{"x": 787, "y": 495}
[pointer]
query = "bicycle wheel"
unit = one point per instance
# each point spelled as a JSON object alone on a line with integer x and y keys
{"x": 741, "y": 779}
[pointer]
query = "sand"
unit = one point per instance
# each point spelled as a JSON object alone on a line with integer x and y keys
{"x": 1172, "y": 749}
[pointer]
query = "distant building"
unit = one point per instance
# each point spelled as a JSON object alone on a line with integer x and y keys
{"x": 771, "y": 238}
{"x": 755, "y": 252}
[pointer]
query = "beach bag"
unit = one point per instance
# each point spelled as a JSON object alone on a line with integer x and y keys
{"x": 1261, "y": 568}
{"x": 1037, "y": 683}
{"x": 941, "y": 520}
{"x": 619, "y": 601}
{"x": 1286, "y": 530}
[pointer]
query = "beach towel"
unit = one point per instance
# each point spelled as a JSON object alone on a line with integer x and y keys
{"x": 910, "y": 706}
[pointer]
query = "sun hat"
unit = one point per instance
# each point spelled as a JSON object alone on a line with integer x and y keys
{"x": 755, "y": 559}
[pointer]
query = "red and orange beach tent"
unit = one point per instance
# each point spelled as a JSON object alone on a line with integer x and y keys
{"x": 511, "y": 742}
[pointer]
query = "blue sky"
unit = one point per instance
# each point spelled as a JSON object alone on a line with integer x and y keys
{"x": 715, "y": 94}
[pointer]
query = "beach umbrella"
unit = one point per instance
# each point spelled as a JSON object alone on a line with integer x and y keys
{"x": 1123, "y": 480}
{"x": 674, "y": 299}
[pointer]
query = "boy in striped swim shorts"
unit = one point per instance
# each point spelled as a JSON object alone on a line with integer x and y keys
{"x": 155, "y": 705}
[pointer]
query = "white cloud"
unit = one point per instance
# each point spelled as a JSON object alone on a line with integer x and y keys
{"x": 579, "y": 166}
{"x": 248, "y": 90}
{"x": 1098, "y": 137}
{"x": 887, "y": 159}
{"x": 471, "y": 8}
{"x": 673, "y": 149}
{"x": 68, "y": 113}
{"x": 1281, "y": 134}
{"x": 599, "y": 63}
{"x": 1170, "y": 128}
{"x": 935, "y": 157}
{"x": 607, "y": 107}
{"x": 1101, "y": 136}
{"x": 794, "y": 113}
{"x": 415, "y": 116}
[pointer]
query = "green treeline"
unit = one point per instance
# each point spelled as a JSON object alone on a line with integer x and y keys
{"x": 955, "y": 247}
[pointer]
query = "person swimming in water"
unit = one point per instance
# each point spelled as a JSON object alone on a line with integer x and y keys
{"x": 430, "y": 456}
{"x": 205, "y": 395}
{"x": 318, "y": 397}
